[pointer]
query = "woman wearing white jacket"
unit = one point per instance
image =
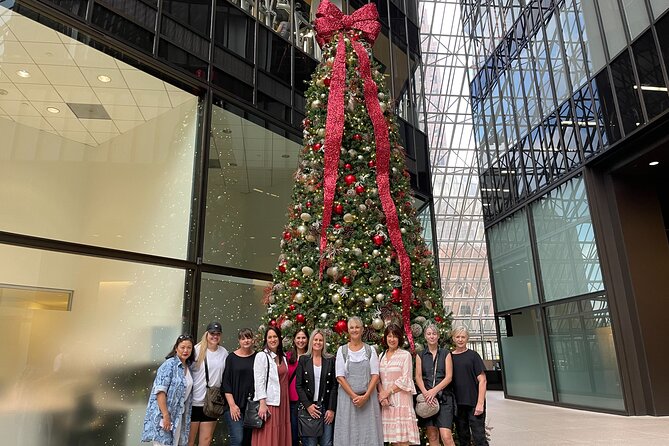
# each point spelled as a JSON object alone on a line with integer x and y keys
{"x": 271, "y": 389}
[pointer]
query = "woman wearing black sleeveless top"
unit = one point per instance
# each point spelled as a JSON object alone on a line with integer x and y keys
{"x": 435, "y": 387}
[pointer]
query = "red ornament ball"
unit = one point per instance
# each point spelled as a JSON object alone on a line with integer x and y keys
{"x": 295, "y": 283}
{"x": 438, "y": 318}
{"x": 287, "y": 235}
{"x": 339, "y": 209}
{"x": 346, "y": 280}
{"x": 340, "y": 326}
{"x": 415, "y": 303}
{"x": 396, "y": 294}
{"x": 371, "y": 163}
{"x": 347, "y": 166}
{"x": 309, "y": 204}
{"x": 282, "y": 268}
{"x": 272, "y": 323}
{"x": 350, "y": 179}
{"x": 306, "y": 122}
{"x": 326, "y": 81}
{"x": 359, "y": 189}
{"x": 317, "y": 147}
{"x": 337, "y": 226}
{"x": 365, "y": 265}
{"x": 357, "y": 137}
{"x": 378, "y": 239}
{"x": 291, "y": 307}
{"x": 300, "y": 318}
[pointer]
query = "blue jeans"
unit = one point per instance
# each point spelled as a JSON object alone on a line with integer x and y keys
{"x": 323, "y": 440}
{"x": 239, "y": 436}
{"x": 293, "y": 422}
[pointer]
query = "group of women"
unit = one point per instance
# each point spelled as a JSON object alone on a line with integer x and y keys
{"x": 306, "y": 395}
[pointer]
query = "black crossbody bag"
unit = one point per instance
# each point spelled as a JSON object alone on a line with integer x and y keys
{"x": 251, "y": 418}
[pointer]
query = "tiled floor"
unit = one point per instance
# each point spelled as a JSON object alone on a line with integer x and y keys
{"x": 516, "y": 423}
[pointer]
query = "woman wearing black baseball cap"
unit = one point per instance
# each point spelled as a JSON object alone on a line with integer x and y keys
{"x": 207, "y": 372}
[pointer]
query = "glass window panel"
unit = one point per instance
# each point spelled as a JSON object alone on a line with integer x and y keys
{"x": 584, "y": 355}
{"x": 527, "y": 65}
{"x": 87, "y": 391}
{"x": 553, "y": 146}
{"x": 191, "y": 12}
{"x": 586, "y": 121}
{"x": 578, "y": 72}
{"x": 587, "y": 13}
{"x": 274, "y": 55}
{"x": 662, "y": 28}
{"x": 570, "y": 146}
{"x": 305, "y": 35}
{"x": 249, "y": 185}
{"x": 566, "y": 242}
{"x": 275, "y": 15}
{"x": 554, "y": 37}
{"x": 659, "y": 6}
{"x": 524, "y": 355}
{"x": 626, "y": 92}
{"x": 234, "y": 30}
{"x": 637, "y": 17}
{"x": 602, "y": 95}
{"x": 512, "y": 263}
{"x": 612, "y": 23}
{"x": 653, "y": 86}
{"x": 543, "y": 73}
{"x": 115, "y": 171}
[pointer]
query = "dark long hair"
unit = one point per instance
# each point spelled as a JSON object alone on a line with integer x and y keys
{"x": 293, "y": 348}
{"x": 180, "y": 339}
{"x": 279, "y": 349}
{"x": 397, "y": 331}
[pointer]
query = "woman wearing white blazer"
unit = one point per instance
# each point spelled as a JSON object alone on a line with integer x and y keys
{"x": 271, "y": 389}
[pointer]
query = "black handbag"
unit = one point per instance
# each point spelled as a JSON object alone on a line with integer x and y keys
{"x": 214, "y": 401}
{"x": 308, "y": 426}
{"x": 251, "y": 418}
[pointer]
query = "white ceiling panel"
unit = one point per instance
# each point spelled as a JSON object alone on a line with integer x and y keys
{"x": 63, "y": 110}
{"x": 87, "y": 57}
{"x": 152, "y": 98}
{"x": 13, "y": 52}
{"x": 178, "y": 97}
{"x": 124, "y": 112}
{"x": 114, "y": 96}
{"x": 65, "y": 124}
{"x": 27, "y": 30}
{"x": 36, "y": 76}
{"x": 12, "y": 92}
{"x": 44, "y": 53}
{"x": 78, "y": 95}
{"x": 61, "y": 75}
{"x": 19, "y": 108}
{"x": 142, "y": 81}
{"x": 42, "y": 93}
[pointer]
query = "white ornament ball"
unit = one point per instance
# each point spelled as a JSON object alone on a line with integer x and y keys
{"x": 336, "y": 298}
{"x": 380, "y": 297}
{"x": 321, "y": 132}
{"x": 316, "y": 103}
{"x": 324, "y": 316}
{"x": 305, "y": 216}
{"x": 286, "y": 324}
{"x": 299, "y": 298}
{"x": 403, "y": 230}
{"x": 332, "y": 271}
{"x": 307, "y": 271}
{"x": 357, "y": 252}
{"x": 368, "y": 301}
{"x": 362, "y": 208}
{"x": 377, "y": 323}
{"x": 302, "y": 229}
{"x": 376, "y": 253}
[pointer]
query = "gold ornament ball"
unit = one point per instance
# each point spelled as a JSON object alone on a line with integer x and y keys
{"x": 299, "y": 298}
{"x": 310, "y": 238}
{"x": 305, "y": 216}
{"x": 307, "y": 271}
{"x": 368, "y": 301}
{"x": 316, "y": 104}
{"x": 348, "y": 218}
{"x": 380, "y": 297}
{"x": 357, "y": 252}
{"x": 336, "y": 298}
{"x": 302, "y": 229}
{"x": 377, "y": 323}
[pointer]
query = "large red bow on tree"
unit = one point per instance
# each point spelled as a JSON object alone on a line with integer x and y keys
{"x": 330, "y": 23}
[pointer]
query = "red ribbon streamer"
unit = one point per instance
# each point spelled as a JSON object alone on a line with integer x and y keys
{"x": 330, "y": 21}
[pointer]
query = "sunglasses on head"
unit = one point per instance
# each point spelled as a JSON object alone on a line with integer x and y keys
{"x": 184, "y": 337}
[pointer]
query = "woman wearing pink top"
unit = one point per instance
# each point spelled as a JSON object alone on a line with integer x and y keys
{"x": 299, "y": 348}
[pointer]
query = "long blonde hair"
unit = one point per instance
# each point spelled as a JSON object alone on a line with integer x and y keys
{"x": 202, "y": 352}
{"x": 318, "y": 331}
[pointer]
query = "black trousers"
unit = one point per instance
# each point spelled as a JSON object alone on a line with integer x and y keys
{"x": 469, "y": 426}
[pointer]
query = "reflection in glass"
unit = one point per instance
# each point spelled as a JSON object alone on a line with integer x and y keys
{"x": 524, "y": 355}
{"x": 117, "y": 174}
{"x": 512, "y": 263}
{"x": 553, "y": 144}
{"x": 584, "y": 356}
{"x": 626, "y": 90}
{"x": 194, "y": 13}
{"x": 637, "y": 17}
{"x": 612, "y": 23}
{"x": 566, "y": 242}
{"x": 276, "y": 15}
{"x": 587, "y": 14}
{"x": 572, "y": 43}
{"x": 568, "y": 128}
{"x": 249, "y": 185}
{"x": 554, "y": 38}
{"x": 586, "y": 121}
{"x": 653, "y": 87}
{"x": 82, "y": 376}
{"x": 543, "y": 72}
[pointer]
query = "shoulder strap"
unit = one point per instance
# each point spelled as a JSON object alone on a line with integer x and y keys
{"x": 206, "y": 370}
{"x": 344, "y": 352}
{"x": 368, "y": 351}
{"x": 267, "y": 377}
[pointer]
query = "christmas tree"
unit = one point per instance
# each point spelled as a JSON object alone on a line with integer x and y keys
{"x": 352, "y": 245}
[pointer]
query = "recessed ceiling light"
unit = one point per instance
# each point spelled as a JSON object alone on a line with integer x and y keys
{"x": 52, "y": 110}
{"x": 653, "y": 163}
{"x": 103, "y": 78}
{"x": 23, "y": 73}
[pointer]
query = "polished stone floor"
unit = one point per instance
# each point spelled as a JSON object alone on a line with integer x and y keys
{"x": 516, "y": 423}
